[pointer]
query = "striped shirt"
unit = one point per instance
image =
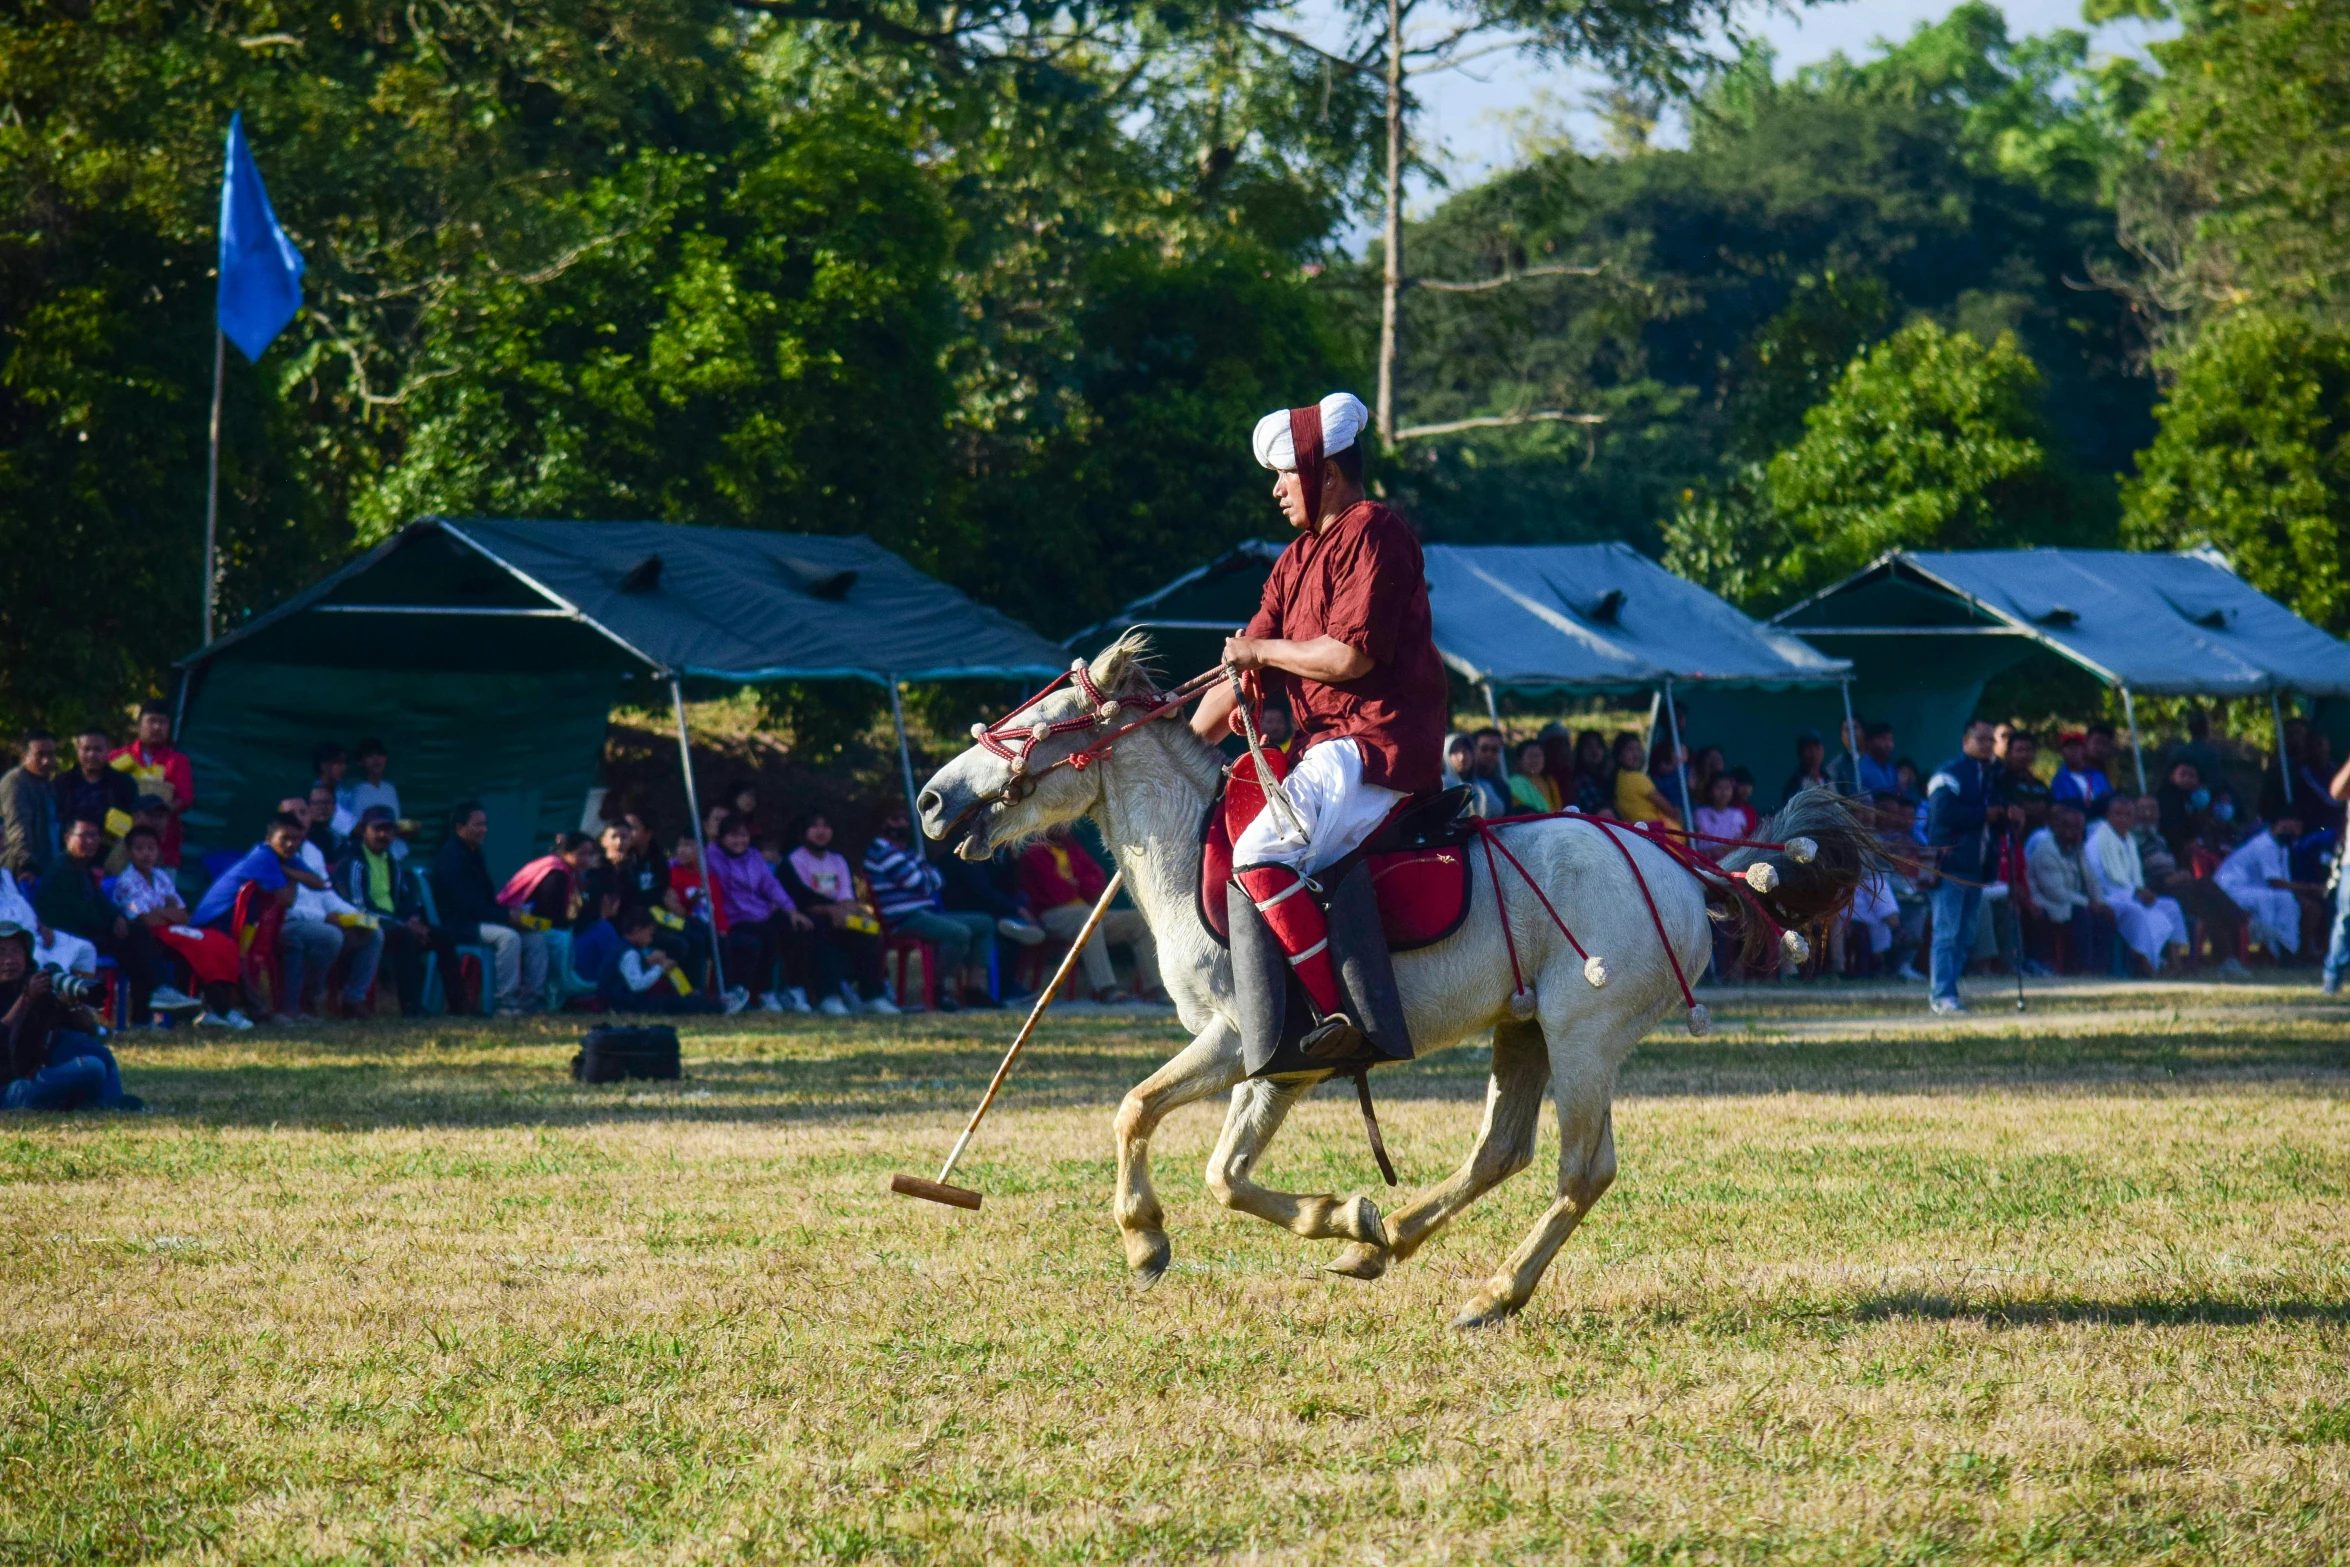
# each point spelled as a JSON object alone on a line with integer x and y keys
{"x": 902, "y": 884}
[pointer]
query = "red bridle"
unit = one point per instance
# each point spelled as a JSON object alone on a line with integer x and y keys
{"x": 1014, "y": 741}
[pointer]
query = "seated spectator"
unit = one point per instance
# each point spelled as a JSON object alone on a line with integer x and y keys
{"x": 92, "y": 791}
{"x": 2060, "y": 886}
{"x": 1742, "y": 796}
{"x": 991, "y": 887}
{"x": 320, "y": 925}
{"x": 906, "y": 888}
{"x": 2258, "y": 878}
{"x": 1460, "y": 767}
{"x": 640, "y": 977}
{"x": 1637, "y": 797}
{"x": 2097, "y": 750}
{"x": 544, "y": 898}
{"x": 50, "y": 947}
{"x": 472, "y": 916}
{"x": 155, "y": 766}
{"x": 2147, "y": 923}
{"x": 1493, "y": 792}
{"x": 371, "y": 878}
{"x": 149, "y": 894}
{"x": 274, "y": 865}
{"x": 150, "y": 811}
{"x": 1063, "y": 883}
{"x": 1905, "y": 781}
{"x": 847, "y": 939}
{"x": 685, "y": 876}
{"x": 1275, "y": 727}
{"x": 1719, "y": 818}
{"x": 69, "y": 899}
{"x": 645, "y": 880}
{"x": 767, "y": 936}
{"x": 1595, "y": 785}
{"x": 2077, "y": 783}
{"x": 320, "y": 811}
{"x": 1532, "y": 789}
{"x": 2184, "y": 806}
{"x": 1810, "y": 754}
{"x": 55, "y": 1058}
{"x": 1877, "y": 916}
{"x": 28, "y": 808}
{"x": 1668, "y": 768}
{"x": 332, "y": 765}
{"x": 1877, "y": 769}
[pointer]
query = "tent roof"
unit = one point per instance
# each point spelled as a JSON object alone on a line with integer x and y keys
{"x": 2173, "y": 625}
{"x": 1596, "y": 617}
{"x": 727, "y": 604}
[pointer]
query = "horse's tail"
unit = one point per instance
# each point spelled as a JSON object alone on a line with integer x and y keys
{"x": 1808, "y": 893}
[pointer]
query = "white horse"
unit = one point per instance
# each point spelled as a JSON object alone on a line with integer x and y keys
{"x": 1148, "y": 794}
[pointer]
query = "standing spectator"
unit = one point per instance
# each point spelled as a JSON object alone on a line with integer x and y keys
{"x": 1595, "y": 788}
{"x": 2145, "y": 922}
{"x": 766, "y": 932}
{"x": 92, "y": 791}
{"x": 847, "y": 936}
{"x": 1063, "y": 883}
{"x": 2338, "y": 945}
{"x": 332, "y": 764}
{"x": 149, "y": 811}
{"x": 1876, "y": 765}
{"x": 2258, "y": 877}
{"x": 149, "y": 894}
{"x": 355, "y": 796}
{"x": 2077, "y": 783}
{"x": 372, "y": 879}
{"x": 1810, "y": 752}
{"x": 1719, "y": 817}
{"x": 28, "y": 807}
{"x": 1959, "y": 802}
{"x": 159, "y": 768}
{"x": 472, "y": 916}
{"x": 319, "y": 925}
{"x": 2019, "y": 784}
{"x": 55, "y": 1060}
{"x": 69, "y": 900}
{"x": 2097, "y": 750}
{"x": 1637, "y": 796}
{"x": 1532, "y": 789}
{"x": 906, "y": 889}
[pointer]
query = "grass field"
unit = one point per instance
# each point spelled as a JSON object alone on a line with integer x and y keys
{"x": 2070, "y": 1287}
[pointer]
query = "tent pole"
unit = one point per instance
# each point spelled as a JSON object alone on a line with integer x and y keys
{"x": 2137, "y": 750}
{"x": 212, "y": 487}
{"x": 1648, "y": 735}
{"x": 897, "y": 715}
{"x": 1680, "y": 767}
{"x": 1851, "y": 733}
{"x": 2276, "y": 710}
{"x": 1492, "y": 707}
{"x": 693, "y": 806}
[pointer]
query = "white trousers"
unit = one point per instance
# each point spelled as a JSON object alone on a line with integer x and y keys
{"x": 2275, "y": 916}
{"x": 2148, "y": 928}
{"x": 1337, "y": 809}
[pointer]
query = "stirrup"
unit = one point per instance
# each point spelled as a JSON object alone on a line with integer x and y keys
{"x": 1335, "y": 1038}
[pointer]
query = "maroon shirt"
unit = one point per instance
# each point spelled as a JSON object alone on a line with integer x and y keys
{"x": 1363, "y": 582}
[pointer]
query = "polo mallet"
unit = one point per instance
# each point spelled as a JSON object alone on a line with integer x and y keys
{"x": 962, "y": 1196}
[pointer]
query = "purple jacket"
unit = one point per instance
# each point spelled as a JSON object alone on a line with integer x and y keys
{"x": 746, "y": 884}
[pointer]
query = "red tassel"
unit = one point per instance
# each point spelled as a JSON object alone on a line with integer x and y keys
{"x": 1299, "y": 924}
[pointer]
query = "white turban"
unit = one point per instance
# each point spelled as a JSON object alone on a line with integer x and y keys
{"x": 1343, "y": 418}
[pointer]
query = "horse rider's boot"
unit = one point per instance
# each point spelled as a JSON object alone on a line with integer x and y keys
{"x": 1279, "y": 902}
{"x": 1366, "y": 973}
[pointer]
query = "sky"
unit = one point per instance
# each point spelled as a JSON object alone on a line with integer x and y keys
{"x": 1473, "y": 116}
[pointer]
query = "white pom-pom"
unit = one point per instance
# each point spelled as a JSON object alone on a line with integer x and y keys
{"x": 1797, "y": 949}
{"x": 1595, "y": 971}
{"x": 1107, "y": 711}
{"x": 1040, "y": 731}
{"x": 979, "y": 731}
{"x": 1077, "y": 666}
{"x": 1802, "y": 850}
{"x": 1018, "y": 765}
{"x": 1522, "y": 1004}
{"x": 1701, "y": 1022}
{"x": 1763, "y": 876}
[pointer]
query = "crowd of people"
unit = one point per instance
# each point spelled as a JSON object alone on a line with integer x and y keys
{"x": 1998, "y": 860}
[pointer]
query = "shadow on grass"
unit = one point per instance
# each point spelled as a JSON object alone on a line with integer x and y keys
{"x": 2186, "y": 1312}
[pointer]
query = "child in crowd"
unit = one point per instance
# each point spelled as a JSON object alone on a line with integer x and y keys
{"x": 1719, "y": 817}
{"x": 150, "y": 894}
{"x": 371, "y": 787}
{"x": 640, "y": 977}
{"x": 847, "y": 942}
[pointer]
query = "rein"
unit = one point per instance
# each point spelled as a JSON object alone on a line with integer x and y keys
{"x": 1014, "y": 741}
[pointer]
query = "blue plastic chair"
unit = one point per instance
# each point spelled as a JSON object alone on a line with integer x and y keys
{"x": 435, "y": 992}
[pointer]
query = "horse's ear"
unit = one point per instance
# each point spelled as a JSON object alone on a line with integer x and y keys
{"x": 1126, "y": 666}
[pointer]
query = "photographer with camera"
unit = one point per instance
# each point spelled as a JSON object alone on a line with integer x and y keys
{"x": 55, "y": 1060}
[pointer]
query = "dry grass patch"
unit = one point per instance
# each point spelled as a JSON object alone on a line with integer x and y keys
{"x": 2075, "y": 1286}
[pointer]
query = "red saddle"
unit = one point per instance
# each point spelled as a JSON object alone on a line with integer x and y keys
{"x": 1423, "y": 889}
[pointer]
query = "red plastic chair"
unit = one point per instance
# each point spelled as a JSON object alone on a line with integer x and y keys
{"x": 896, "y": 948}
{"x": 257, "y": 936}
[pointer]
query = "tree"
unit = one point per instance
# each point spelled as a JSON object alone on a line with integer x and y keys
{"x": 2254, "y": 458}
{"x": 1928, "y": 441}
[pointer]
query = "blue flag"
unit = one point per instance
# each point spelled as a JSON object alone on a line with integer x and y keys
{"x": 260, "y": 270}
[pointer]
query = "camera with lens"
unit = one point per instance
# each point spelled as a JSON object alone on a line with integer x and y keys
{"x": 74, "y": 990}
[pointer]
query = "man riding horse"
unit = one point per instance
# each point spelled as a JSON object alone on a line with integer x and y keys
{"x": 1344, "y": 634}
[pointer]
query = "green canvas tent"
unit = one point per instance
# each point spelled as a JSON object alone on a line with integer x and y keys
{"x": 1926, "y": 630}
{"x": 487, "y": 655}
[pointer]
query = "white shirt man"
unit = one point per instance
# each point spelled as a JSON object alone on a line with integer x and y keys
{"x": 2273, "y": 913}
{"x": 2147, "y": 924}
{"x": 2060, "y": 883}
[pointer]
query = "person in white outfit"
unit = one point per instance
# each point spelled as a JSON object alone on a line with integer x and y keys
{"x": 72, "y": 953}
{"x": 2259, "y": 878}
{"x": 2147, "y": 923}
{"x": 312, "y": 936}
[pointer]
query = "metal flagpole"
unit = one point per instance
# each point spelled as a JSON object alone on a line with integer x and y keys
{"x": 693, "y": 806}
{"x": 2138, "y": 751}
{"x": 2276, "y": 710}
{"x": 897, "y": 714}
{"x": 212, "y": 484}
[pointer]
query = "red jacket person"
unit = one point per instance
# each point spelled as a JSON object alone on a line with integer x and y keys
{"x": 1344, "y": 634}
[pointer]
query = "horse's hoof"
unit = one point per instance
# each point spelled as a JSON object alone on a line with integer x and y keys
{"x": 1147, "y": 1256}
{"x": 1359, "y": 1261}
{"x": 1358, "y": 1220}
{"x": 1484, "y": 1310}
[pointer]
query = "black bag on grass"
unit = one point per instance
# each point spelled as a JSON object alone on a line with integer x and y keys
{"x": 606, "y": 1055}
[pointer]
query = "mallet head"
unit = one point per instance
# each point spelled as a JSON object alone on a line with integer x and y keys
{"x": 934, "y": 1191}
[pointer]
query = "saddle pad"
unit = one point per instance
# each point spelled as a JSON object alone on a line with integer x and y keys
{"x": 1423, "y": 893}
